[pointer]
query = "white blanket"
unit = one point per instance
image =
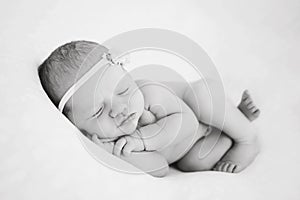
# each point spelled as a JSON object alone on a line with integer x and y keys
{"x": 254, "y": 45}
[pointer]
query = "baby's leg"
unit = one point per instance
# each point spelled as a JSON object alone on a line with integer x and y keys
{"x": 209, "y": 150}
{"x": 241, "y": 154}
{"x": 236, "y": 126}
{"x": 206, "y": 152}
{"x": 246, "y": 146}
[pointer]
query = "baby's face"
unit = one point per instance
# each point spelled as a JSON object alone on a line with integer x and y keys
{"x": 103, "y": 104}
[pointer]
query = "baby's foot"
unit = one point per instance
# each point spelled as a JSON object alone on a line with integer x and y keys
{"x": 247, "y": 107}
{"x": 225, "y": 166}
{"x": 241, "y": 155}
{"x": 238, "y": 157}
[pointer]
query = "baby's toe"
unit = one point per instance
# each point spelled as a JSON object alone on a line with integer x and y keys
{"x": 225, "y": 166}
{"x": 250, "y": 105}
{"x": 237, "y": 169}
{"x": 253, "y": 109}
{"x": 256, "y": 113}
{"x": 245, "y": 95}
{"x": 221, "y": 166}
{"x": 247, "y": 101}
{"x": 231, "y": 168}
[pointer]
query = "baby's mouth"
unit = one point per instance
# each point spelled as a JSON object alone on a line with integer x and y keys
{"x": 108, "y": 139}
{"x": 128, "y": 118}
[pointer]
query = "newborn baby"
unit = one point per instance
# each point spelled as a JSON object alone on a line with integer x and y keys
{"x": 148, "y": 124}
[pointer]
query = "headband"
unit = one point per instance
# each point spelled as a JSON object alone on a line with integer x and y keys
{"x": 106, "y": 59}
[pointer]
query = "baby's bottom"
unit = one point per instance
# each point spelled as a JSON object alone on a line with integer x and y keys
{"x": 206, "y": 152}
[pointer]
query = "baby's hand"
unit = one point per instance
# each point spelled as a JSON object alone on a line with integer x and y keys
{"x": 147, "y": 118}
{"x": 108, "y": 146}
{"x": 127, "y": 144}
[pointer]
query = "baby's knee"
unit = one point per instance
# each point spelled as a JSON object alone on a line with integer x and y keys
{"x": 159, "y": 173}
{"x": 225, "y": 140}
{"x": 190, "y": 165}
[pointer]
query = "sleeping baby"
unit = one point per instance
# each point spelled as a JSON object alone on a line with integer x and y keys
{"x": 148, "y": 124}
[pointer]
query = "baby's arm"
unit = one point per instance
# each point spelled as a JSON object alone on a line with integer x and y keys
{"x": 150, "y": 162}
{"x": 170, "y": 129}
{"x": 156, "y": 136}
{"x": 175, "y": 120}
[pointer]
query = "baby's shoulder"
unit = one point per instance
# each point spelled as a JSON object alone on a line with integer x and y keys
{"x": 153, "y": 89}
{"x": 159, "y": 97}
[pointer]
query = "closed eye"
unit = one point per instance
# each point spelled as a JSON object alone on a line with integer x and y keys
{"x": 124, "y": 91}
{"x": 99, "y": 112}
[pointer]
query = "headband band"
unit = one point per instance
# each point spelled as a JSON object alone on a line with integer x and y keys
{"x": 106, "y": 59}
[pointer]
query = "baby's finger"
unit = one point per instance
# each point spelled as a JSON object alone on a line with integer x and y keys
{"x": 247, "y": 101}
{"x": 129, "y": 147}
{"x": 96, "y": 139}
{"x": 108, "y": 144}
{"x": 119, "y": 146}
{"x": 245, "y": 95}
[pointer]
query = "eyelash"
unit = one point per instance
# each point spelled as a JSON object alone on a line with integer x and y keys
{"x": 99, "y": 112}
{"x": 124, "y": 92}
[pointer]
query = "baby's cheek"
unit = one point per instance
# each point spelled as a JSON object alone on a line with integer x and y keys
{"x": 96, "y": 127}
{"x": 137, "y": 101}
{"x": 106, "y": 128}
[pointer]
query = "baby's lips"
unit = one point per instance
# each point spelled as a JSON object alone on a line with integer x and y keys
{"x": 108, "y": 139}
{"x": 132, "y": 116}
{"x": 127, "y": 118}
{"x": 119, "y": 120}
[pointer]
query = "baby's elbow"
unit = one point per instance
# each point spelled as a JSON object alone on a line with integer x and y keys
{"x": 160, "y": 173}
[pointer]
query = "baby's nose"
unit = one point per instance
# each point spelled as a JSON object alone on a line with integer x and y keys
{"x": 118, "y": 109}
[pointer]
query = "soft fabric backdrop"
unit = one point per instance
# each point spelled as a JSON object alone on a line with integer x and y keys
{"x": 254, "y": 44}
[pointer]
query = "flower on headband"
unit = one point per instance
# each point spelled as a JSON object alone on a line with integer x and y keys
{"x": 109, "y": 58}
